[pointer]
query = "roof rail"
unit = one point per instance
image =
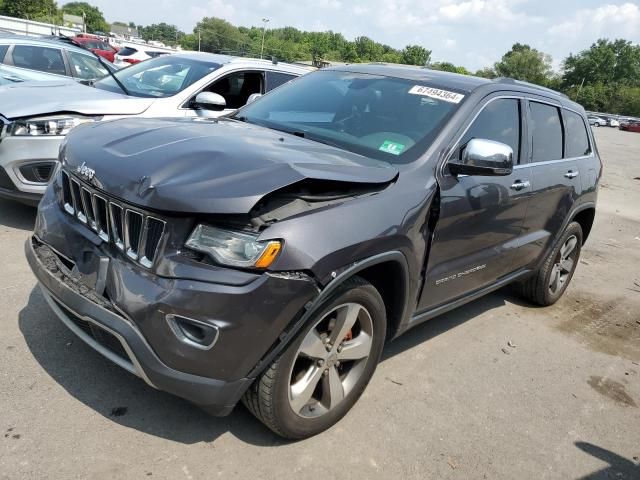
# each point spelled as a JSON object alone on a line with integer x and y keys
{"x": 513, "y": 81}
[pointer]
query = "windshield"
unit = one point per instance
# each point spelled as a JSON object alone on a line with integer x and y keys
{"x": 381, "y": 117}
{"x": 160, "y": 77}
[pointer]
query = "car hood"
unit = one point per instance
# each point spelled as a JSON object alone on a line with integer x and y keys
{"x": 207, "y": 166}
{"x": 30, "y": 99}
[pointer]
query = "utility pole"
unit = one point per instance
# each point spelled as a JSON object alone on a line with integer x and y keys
{"x": 264, "y": 28}
{"x": 199, "y": 38}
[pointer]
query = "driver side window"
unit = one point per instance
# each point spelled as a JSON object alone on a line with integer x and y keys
{"x": 499, "y": 121}
{"x": 237, "y": 87}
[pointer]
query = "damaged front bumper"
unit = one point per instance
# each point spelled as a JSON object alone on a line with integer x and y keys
{"x": 128, "y": 323}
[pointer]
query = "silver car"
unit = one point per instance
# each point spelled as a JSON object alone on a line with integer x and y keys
{"x": 41, "y": 58}
{"x": 35, "y": 117}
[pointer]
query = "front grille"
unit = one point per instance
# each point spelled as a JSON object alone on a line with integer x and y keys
{"x": 131, "y": 231}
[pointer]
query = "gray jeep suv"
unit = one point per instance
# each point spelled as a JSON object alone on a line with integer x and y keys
{"x": 269, "y": 255}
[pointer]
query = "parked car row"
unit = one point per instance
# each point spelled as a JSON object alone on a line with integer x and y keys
{"x": 263, "y": 250}
{"x": 598, "y": 121}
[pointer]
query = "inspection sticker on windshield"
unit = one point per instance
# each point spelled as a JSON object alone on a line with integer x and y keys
{"x": 392, "y": 147}
{"x": 451, "y": 97}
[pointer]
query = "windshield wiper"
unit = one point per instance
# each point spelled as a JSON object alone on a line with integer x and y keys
{"x": 120, "y": 84}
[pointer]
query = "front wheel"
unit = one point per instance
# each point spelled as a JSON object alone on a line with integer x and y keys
{"x": 548, "y": 283}
{"x": 321, "y": 375}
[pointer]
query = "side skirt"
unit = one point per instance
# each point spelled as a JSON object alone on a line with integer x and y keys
{"x": 434, "y": 312}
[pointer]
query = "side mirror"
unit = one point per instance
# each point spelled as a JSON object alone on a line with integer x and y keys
{"x": 209, "y": 101}
{"x": 253, "y": 97}
{"x": 484, "y": 157}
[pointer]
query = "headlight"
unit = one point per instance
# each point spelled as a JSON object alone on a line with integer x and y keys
{"x": 38, "y": 127}
{"x": 235, "y": 249}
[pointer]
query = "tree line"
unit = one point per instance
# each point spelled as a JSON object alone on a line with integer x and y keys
{"x": 605, "y": 77}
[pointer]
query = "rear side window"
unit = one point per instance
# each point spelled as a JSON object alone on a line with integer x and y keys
{"x": 275, "y": 79}
{"x": 126, "y": 51}
{"x": 577, "y": 137}
{"x": 44, "y": 59}
{"x": 499, "y": 121}
{"x": 546, "y": 132}
{"x": 3, "y": 52}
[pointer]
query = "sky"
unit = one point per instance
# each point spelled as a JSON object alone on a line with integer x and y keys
{"x": 471, "y": 33}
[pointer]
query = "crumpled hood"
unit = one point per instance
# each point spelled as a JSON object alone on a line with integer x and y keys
{"x": 205, "y": 166}
{"x": 30, "y": 99}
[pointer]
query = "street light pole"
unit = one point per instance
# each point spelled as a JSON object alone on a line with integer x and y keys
{"x": 264, "y": 28}
{"x": 199, "y": 38}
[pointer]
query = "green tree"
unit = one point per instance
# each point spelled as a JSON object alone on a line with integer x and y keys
{"x": 220, "y": 36}
{"x": 486, "y": 72}
{"x": 189, "y": 41}
{"x": 165, "y": 33}
{"x": 416, "y": 55}
{"x": 93, "y": 16}
{"x": 604, "y": 62}
{"x": 31, "y": 9}
{"x": 525, "y": 63}
{"x": 449, "y": 67}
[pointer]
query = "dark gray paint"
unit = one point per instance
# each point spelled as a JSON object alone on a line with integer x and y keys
{"x": 418, "y": 217}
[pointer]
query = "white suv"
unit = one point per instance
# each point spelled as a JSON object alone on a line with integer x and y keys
{"x": 130, "y": 55}
{"x": 34, "y": 119}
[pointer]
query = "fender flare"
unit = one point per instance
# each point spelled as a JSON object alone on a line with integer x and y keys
{"x": 287, "y": 337}
{"x": 567, "y": 221}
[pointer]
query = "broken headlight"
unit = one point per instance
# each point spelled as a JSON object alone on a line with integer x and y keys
{"x": 235, "y": 249}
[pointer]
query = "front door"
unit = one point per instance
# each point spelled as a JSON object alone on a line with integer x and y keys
{"x": 481, "y": 217}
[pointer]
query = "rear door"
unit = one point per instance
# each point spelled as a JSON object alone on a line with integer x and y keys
{"x": 555, "y": 177}
{"x": 39, "y": 58}
{"x": 481, "y": 217}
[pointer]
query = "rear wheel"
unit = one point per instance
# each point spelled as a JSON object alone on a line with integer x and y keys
{"x": 321, "y": 375}
{"x": 548, "y": 284}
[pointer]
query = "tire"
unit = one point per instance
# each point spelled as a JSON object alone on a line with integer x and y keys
{"x": 541, "y": 288}
{"x": 277, "y": 397}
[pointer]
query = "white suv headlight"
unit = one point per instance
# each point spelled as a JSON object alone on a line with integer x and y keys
{"x": 236, "y": 249}
{"x": 45, "y": 126}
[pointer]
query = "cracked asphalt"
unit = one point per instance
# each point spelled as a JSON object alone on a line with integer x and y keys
{"x": 497, "y": 389}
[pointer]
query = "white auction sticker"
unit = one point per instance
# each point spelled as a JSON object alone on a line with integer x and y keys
{"x": 451, "y": 97}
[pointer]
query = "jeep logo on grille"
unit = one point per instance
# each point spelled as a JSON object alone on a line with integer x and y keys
{"x": 85, "y": 171}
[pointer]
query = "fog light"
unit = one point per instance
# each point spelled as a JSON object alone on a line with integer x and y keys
{"x": 194, "y": 333}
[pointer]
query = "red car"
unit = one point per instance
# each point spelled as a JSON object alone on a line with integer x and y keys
{"x": 632, "y": 126}
{"x": 97, "y": 46}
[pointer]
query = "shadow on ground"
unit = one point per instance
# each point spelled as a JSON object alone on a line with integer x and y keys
{"x": 128, "y": 401}
{"x": 617, "y": 466}
{"x": 16, "y": 215}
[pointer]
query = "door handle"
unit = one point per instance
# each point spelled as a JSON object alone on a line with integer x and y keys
{"x": 571, "y": 174}
{"x": 519, "y": 185}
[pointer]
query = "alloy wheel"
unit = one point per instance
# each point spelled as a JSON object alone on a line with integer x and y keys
{"x": 330, "y": 361}
{"x": 565, "y": 263}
